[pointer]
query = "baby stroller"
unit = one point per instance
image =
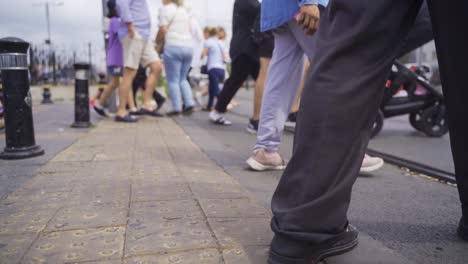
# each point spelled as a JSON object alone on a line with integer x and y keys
{"x": 421, "y": 100}
{"x": 408, "y": 91}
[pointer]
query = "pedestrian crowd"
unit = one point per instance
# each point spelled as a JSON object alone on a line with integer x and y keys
{"x": 316, "y": 63}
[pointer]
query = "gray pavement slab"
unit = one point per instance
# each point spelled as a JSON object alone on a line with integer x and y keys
{"x": 74, "y": 246}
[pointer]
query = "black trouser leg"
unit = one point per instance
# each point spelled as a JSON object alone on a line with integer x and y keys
{"x": 242, "y": 67}
{"x": 449, "y": 21}
{"x": 355, "y": 47}
{"x": 158, "y": 97}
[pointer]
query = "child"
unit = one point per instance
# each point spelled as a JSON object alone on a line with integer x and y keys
{"x": 214, "y": 51}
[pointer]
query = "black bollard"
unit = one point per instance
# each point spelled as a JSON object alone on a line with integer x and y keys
{"x": 46, "y": 94}
{"x": 82, "y": 118}
{"x": 19, "y": 126}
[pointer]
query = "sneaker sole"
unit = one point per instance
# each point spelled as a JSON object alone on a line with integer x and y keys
{"x": 372, "y": 168}
{"x": 257, "y": 166}
{"x": 251, "y": 131}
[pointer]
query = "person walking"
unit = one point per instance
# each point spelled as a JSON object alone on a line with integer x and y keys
{"x": 244, "y": 56}
{"x": 266, "y": 44}
{"x": 174, "y": 28}
{"x": 134, "y": 34}
{"x": 339, "y": 107}
{"x": 215, "y": 65}
{"x": 114, "y": 62}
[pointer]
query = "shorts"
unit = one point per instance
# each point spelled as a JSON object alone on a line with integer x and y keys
{"x": 115, "y": 70}
{"x": 138, "y": 51}
{"x": 266, "y": 48}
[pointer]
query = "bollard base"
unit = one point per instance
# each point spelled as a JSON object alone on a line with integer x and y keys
{"x": 47, "y": 101}
{"x": 21, "y": 153}
{"x": 81, "y": 125}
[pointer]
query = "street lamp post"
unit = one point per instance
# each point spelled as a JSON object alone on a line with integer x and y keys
{"x": 48, "y": 41}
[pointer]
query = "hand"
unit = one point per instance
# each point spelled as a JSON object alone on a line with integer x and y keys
{"x": 131, "y": 30}
{"x": 309, "y": 18}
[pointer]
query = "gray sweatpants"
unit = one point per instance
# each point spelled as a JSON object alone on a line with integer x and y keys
{"x": 282, "y": 84}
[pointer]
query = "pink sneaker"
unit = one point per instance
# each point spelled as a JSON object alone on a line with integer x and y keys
{"x": 263, "y": 160}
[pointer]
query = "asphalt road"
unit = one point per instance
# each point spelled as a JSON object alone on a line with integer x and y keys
{"x": 410, "y": 214}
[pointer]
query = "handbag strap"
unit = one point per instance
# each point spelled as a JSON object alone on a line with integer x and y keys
{"x": 173, "y": 18}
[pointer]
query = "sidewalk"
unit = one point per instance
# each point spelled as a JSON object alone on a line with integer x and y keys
{"x": 114, "y": 197}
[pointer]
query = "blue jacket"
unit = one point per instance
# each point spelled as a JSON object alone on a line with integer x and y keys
{"x": 277, "y": 12}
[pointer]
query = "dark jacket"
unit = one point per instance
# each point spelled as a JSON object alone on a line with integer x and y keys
{"x": 243, "y": 19}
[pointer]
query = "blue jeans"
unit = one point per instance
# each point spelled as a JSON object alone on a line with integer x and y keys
{"x": 177, "y": 62}
{"x": 216, "y": 77}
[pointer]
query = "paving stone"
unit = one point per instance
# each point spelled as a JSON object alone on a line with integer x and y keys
{"x": 206, "y": 174}
{"x": 77, "y": 246}
{"x": 247, "y": 255}
{"x": 161, "y": 192}
{"x": 149, "y": 212}
{"x": 24, "y": 222}
{"x": 13, "y": 247}
{"x": 152, "y": 236}
{"x": 242, "y": 231}
{"x": 217, "y": 191}
{"x": 74, "y": 155}
{"x": 18, "y": 202}
{"x": 94, "y": 194}
{"x": 208, "y": 256}
{"x": 88, "y": 216}
{"x": 233, "y": 208}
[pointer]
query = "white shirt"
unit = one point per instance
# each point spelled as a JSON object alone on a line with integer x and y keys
{"x": 178, "y": 24}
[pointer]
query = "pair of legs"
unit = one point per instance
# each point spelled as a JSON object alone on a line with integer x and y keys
{"x": 282, "y": 84}
{"x": 177, "y": 61}
{"x": 216, "y": 78}
{"x": 242, "y": 67}
{"x": 138, "y": 51}
{"x": 354, "y": 52}
{"x": 139, "y": 83}
{"x": 114, "y": 82}
{"x": 126, "y": 88}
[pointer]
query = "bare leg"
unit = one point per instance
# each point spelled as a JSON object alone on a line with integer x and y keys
{"x": 150, "y": 85}
{"x": 125, "y": 87}
{"x": 260, "y": 87}
{"x": 114, "y": 83}
{"x": 131, "y": 100}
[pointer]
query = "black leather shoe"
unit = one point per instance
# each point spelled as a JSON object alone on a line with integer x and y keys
{"x": 126, "y": 119}
{"x": 463, "y": 230}
{"x": 343, "y": 243}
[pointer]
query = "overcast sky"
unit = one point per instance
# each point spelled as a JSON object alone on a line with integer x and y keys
{"x": 78, "y": 22}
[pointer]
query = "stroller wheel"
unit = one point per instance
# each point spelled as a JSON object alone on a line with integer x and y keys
{"x": 416, "y": 121}
{"x": 434, "y": 121}
{"x": 378, "y": 124}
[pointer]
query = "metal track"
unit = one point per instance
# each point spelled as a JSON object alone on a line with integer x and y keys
{"x": 414, "y": 166}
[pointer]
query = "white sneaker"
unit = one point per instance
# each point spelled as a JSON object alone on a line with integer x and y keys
{"x": 370, "y": 164}
{"x": 219, "y": 119}
{"x": 263, "y": 160}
